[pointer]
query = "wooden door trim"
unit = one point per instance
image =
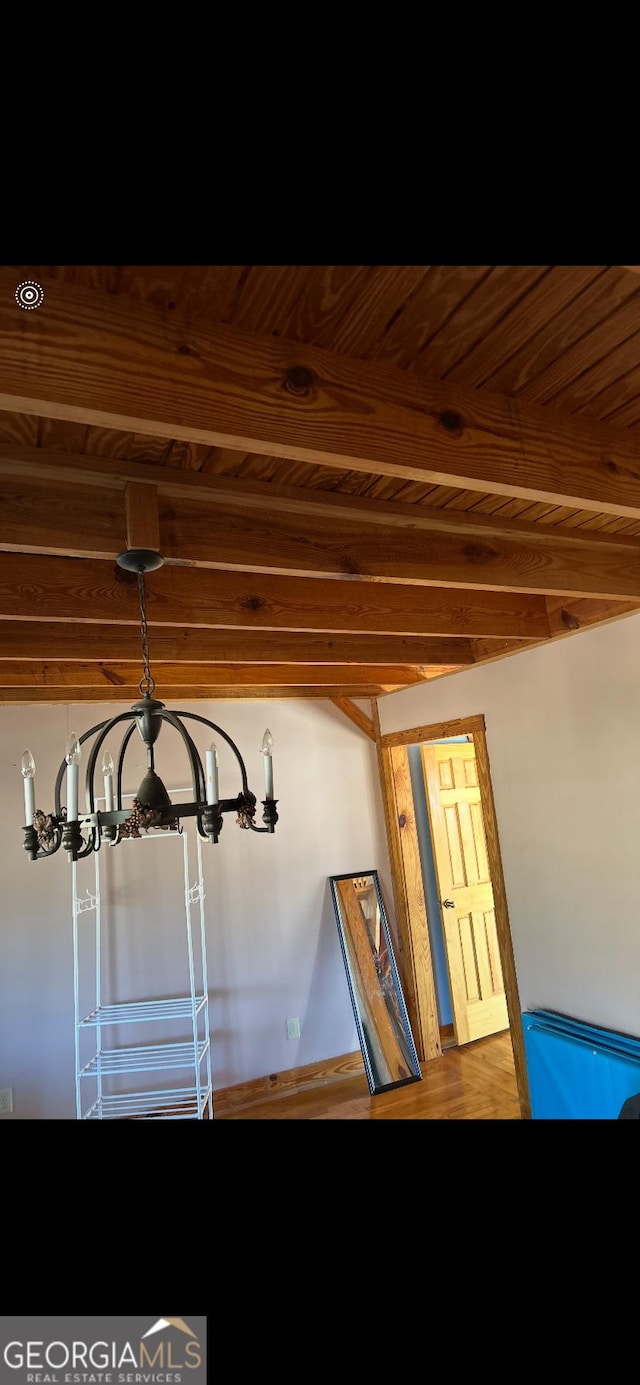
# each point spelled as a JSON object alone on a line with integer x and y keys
{"x": 412, "y": 974}
{"x": 417, "y": 943}
{"x": 436, "y": 732}
{"x": 409, "y": 943}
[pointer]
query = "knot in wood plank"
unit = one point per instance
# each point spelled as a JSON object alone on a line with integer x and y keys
{"x": 298, "y": 380}
{"x": 451, "y": 421}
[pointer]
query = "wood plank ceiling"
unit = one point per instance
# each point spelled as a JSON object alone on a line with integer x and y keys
{"x": 359, "y": 476}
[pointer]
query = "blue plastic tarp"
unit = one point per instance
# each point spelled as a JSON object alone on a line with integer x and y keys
{"x": 578, "y": 1071}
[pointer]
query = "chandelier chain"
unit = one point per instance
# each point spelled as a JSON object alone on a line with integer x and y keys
{"x": 147, "y": 683}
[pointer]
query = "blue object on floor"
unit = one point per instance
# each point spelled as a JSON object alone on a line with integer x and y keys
{"x": 578, "y": 1071}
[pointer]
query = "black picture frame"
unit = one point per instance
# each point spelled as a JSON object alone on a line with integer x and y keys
{"x": 387, "y": 1044}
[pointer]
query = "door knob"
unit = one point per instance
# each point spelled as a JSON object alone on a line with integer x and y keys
{"x": 448, "y": 904}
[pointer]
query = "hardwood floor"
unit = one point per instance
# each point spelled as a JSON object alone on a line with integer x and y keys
{"x": 475, "y": 1082}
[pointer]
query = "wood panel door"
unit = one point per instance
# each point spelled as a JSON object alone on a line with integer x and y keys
{"x": 466, "y": 896}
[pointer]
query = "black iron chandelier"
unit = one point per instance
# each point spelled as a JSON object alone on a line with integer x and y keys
{"x": 80, "y": 833}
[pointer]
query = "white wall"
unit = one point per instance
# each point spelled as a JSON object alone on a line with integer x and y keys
{"x": 563, "y": 732}
{"x": 272, "y": 940}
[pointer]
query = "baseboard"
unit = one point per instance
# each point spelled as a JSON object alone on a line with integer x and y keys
{"x": 228, "y": 1099}
{"x": 447, "y": 1036}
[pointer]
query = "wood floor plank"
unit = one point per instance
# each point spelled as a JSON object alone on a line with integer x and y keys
{"x": 475, "y": 1082}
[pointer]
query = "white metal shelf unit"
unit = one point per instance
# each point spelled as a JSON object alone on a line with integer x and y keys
{"x": 94, "y": 1100}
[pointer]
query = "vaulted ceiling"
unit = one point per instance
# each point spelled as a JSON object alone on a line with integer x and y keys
{"x": 359, "y": 476}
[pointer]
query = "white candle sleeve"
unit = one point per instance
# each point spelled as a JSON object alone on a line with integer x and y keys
{"x": 108, "y": 792}
{"x": 212, "y": 777}
{"x": 72, "y": 793}
{"x": 268, "y": 776}
{"x": 29, "y": 802}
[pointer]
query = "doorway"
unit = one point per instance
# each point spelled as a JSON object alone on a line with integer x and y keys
{"x": 454, "y": 935}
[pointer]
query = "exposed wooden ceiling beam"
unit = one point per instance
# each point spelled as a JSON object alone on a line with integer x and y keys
{"x": 210, "y": 488}
{"x": 143, "y": 528}
{"x": 41, "y": 588}
{"x": 63, "y": 517}
{"x": 300, "y": 545}
{"x": 55, "y": 640}
{"x": 113, "y": 474}
{"x": 26, "y": 673}
{"x": 486, "y": 651}
{"x": 99, "y": 359}
{"x": 177, "y": 696}
{"x": 356, "y": 715}
{"x": 566, "y": 617}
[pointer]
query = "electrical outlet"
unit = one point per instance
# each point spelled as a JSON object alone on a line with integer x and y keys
{"x": 6, "y": 1100}
{"x": 293, "y": 1029}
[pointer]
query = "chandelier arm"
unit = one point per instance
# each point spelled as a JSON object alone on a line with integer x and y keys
{"x": 125, "y": 741}
{"x": 197, "y": 772}
{"x": 93, "y": 844}
{"x": 200, "y": 829}
{"x": 104, "y": 730}
{"x": 51, "y": 850}
{"x": 269, "y": 817}
{"x": 196, "y": 763}
{"x": 213, "y": 727}
{"x": 62, "y": 770}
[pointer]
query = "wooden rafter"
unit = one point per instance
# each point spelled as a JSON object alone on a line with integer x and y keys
{"x": 567, "y": 615}
{"x": 177, "y": 696}
{"x": 143, "y": 528}
{"x": 71, "y": 514}
{"x": 355, "y": 715}
{"x": 45, "y": 588}
{"x": 30, "y": 673}
{"x": 53, "y": 640}
{"x": 100, "y": 360}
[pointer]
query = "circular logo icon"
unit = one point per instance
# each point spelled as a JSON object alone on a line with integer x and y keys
{"x": 29, "y": 295}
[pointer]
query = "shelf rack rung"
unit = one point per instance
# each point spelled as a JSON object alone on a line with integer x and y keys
{"x": 168, "y": 1103}
{"x": 145, "y": 1058}
{"x": 138, "y": 1011}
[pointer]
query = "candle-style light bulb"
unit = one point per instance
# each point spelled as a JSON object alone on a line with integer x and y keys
{"x": 72, "y": 754}
{"x": 213, "y": 792}
{"x": 267, "y": 751}
{"x": 107, "y": 771}
{"x": 28, "y": 765}
{"x": 72, "y": 758}
{"x": 28, "y": 769}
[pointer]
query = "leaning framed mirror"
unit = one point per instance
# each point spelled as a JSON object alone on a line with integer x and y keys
{"x": 382, "y": 1022}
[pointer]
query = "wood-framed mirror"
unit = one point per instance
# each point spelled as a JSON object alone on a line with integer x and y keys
{"x": 382, "y": 1022}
